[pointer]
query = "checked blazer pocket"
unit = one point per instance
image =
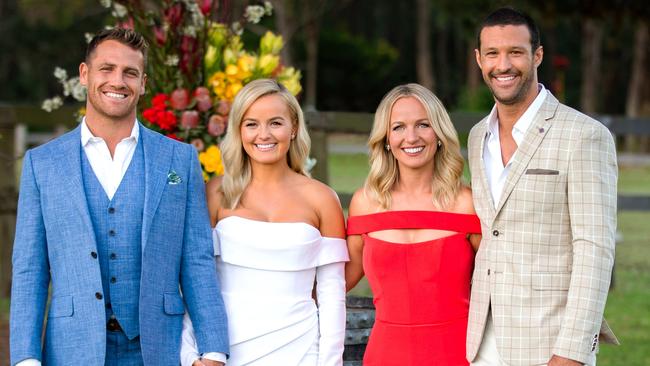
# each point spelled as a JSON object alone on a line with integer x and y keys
{"x": 542, "y": 172}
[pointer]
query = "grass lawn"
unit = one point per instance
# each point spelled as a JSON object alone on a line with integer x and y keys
{"x": 628, "y": 305}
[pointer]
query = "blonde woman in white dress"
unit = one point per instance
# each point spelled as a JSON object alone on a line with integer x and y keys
{"x": 279, "y": 235}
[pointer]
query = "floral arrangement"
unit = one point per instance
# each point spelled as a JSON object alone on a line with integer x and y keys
{"x": 196, "y": 66}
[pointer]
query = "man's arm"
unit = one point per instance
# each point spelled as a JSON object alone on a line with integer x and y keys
{"x": 199, "y": 282}
{"x": 31, "y": 274}
{"x": 592, "y": 177}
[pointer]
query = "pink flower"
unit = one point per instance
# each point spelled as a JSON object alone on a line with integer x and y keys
{"x": 189, "y": 119}
{"x": 216, "y": 125}
{"x": 223, "y": 108}
{"x": 198, "y": 144}
{"x": 203, "y": 102}
{"x": 180, "y": 98}
{"x": 201, "y": 90}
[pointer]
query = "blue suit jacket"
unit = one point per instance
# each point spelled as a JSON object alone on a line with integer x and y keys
{"x": 53, "y": 245}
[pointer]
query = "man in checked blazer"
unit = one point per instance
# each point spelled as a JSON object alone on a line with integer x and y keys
{"x": 113, "y": 216}
{"x": 544, "y": 185}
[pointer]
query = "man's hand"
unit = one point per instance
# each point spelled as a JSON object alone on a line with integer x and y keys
{"x": 204, "y": 362}
{"x": 561, "y": 361}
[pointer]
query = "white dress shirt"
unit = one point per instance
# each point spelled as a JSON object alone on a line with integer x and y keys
{"x": 109, "y": 172}
{"x": 495, "y": 171}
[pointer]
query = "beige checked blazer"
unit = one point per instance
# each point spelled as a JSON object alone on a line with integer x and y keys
{"x": 545, "y": 261}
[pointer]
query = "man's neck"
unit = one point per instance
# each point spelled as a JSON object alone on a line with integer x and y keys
{"x": 509, "y": 114}
{"x": 112, "y": 131}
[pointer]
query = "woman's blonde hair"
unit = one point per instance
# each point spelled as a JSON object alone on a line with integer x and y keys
{"x": 447, "y": 162}
{"x": 236, "y": 162}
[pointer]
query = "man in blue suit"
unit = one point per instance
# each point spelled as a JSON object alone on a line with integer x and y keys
{"x": 113, "y": 216}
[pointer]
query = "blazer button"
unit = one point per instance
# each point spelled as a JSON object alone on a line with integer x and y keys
{"x": 111, "y": 232}
{"x": 113, "y": 255}
{"x": 113, "y": 279}
{"x": 111, "y": 210}
{"x": 93, "y": 254}
{"x": 495, "y": 233}
{"x": 98, "y": 295}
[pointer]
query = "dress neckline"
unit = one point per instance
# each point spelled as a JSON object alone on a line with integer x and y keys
{"x": 413, "y": 219}
{"x": 261, "y": 222}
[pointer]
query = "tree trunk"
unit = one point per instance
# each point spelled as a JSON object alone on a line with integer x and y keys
{"x": 472, "y": 70}
{"x": 592, "y": 37}
{"x": 312, "y": 31}
{"x": 423, "y": 44}
{"x": 282, "y": 10}
{"x": 637, "y": 81}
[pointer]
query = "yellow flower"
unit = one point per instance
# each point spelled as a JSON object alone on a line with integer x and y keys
{"x": 229, "y": 56}
{"x": 232, "y": 90}
{"x": 267, "y": 63}
{"x": 245, "y": 64}
{"x": 211, "y": 160}
{"x": 290, "y": 78}
{"x": 270, "y": 44}
{"x": 217, "y": 35}
{"x": 211, "y": 57}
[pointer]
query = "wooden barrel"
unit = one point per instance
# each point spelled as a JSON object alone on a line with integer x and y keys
{"x": 360, "y": 318}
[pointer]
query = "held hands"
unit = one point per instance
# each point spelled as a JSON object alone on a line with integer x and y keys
{"x": 205, "y": 362}
{"x": 561, "y": 361}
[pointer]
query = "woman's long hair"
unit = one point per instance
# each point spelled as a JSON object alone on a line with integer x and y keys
{"x": 447, "y": 162}
{"x": 237, "y": 166}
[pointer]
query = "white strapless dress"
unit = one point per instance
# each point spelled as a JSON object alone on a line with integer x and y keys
{"x": 267, "y": 273}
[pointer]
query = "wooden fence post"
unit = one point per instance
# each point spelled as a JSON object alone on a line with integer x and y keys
{"x": 319, "y": 150}
{"x": 8, "y": 197}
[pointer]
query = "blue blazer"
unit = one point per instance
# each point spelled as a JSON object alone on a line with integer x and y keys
{"x": 55, "y": 245}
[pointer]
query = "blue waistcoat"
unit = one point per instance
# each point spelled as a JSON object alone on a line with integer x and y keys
{"x": 117, "y": 224}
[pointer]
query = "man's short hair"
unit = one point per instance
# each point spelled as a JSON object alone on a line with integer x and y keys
{"x": 510, "y": 16}
{"x": 127, "y": 37}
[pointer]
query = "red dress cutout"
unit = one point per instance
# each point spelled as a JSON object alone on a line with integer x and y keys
{"x": 421, "y": 290}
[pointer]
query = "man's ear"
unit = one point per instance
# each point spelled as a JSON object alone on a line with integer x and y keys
{"x": 144, "y": 84}
{"x": 538, "y": 56}
{"x": 83, "y": 74}
{"x": 477, "y": 53}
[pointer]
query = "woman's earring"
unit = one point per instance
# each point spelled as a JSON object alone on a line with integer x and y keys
{"x": 439, "y": 143}
{"x": 387, "y": 147}
{"x": 293, "y": 136}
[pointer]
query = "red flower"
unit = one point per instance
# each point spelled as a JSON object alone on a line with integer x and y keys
{"x": 160, "y": 35}
{"x": 174, "y": 14}
{"x": 205, "y": 6}
{"x": 173, "y": 136}
{"x": 167, "y": 120}
{"x": 160, "y": 100}
{"x": 150, "y": 115}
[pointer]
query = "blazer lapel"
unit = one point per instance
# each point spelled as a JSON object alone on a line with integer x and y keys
{"x": 70, "y": 160}
{"x": 532, "y": 139}
{"x": 157, "y": 161}
{"x": 482, "y": 177}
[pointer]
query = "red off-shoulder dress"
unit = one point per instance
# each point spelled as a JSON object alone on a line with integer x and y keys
{"x": 421, "y": 290}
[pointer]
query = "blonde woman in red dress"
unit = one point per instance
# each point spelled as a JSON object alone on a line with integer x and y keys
{"x": 413, "y": 232}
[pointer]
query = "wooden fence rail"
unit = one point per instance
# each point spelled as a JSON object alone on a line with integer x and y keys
{"x": 323, "y": 123}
